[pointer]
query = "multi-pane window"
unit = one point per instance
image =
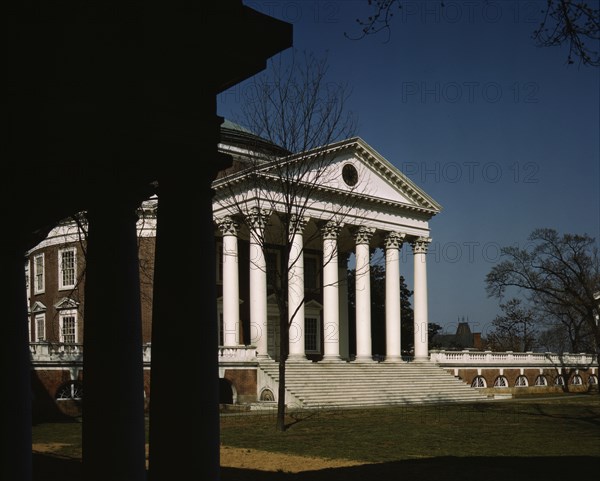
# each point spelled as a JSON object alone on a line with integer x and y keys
{"x": 501, "y": 381}
{"x": 541, "y": 381}
{"x": 40, "y": 327}
{"x": 68, "y": 327}
{"x": 521, "y": 382}
{"x": 38, "y": 274}
{"x": 67, "y": 268}
{"x": 27, "y": 278}
{"x": 311, "y": 338}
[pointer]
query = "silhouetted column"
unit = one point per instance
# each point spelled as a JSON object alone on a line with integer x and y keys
{"x": 420, "y": 298}
{"x": 15, "y": 415}
{"x": 393, "y": 242}
{"x": 184, "y": 393}
{"x": 331, "y": 298}
{"x": 113, "y": 434}
{"x": 296, "y": 290}
{"x": 363, "y": 294}
{"x": 257, "y": 219}
{"x": 231, "y": 282}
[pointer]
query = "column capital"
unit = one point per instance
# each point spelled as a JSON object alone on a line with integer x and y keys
{"x": 420, "y": 245}
{"x": 331, "y": 229}
{"x": 257, "y": 218}
{"x": 363, "y": 235}
{"x": 297, "y": 224}
{"x": 227, "y": 226}
{"x": 394, "y": 240}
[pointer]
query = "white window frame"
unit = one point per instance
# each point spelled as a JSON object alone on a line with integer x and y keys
{"x": 576, "y": 380}
{"x": 317, "y": 349}
{"x": 522, "y": 381}
{"x": 37, "y": 318}
{"x": 61, "y": 321}
{"x": 39, "y": 287}
{"x": 541, "y": 380}
{"x": 27, "y": 280}
{"x": 61, "y": 272}
{"x": 501, "y": 382}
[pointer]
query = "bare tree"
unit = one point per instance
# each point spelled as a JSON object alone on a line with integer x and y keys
{"x": 295, "y": 114}
{"x": 515, "y": 329}
{"x": 559, "y": 274}
{"x": 562, "y": 22}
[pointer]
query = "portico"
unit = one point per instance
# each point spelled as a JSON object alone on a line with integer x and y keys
{"x": 376, "y": 208}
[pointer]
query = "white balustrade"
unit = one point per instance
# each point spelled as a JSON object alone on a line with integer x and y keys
{"x": 478, "y": 358}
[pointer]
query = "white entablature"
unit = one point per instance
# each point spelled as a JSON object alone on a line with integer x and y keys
{"x": 347, "y": 181}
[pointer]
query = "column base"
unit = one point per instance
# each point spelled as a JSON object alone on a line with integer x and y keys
{"x": 393, "y": 359}
{"x": 364, "y": 359}
{"x": 421, "y": 359}
{"x": 331, "y": 358}
{"x": 297, "y": 358}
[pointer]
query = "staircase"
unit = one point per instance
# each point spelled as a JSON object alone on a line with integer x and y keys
{"x": 352, "y": 384}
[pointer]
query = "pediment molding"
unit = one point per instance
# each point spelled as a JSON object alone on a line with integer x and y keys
{"x": 66, "y": 303}
{"x": 38, "y": 307}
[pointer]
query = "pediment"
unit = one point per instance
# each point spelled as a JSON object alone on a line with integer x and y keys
{"x": 353, "y": 168}
{"x": 312, "y": 304}
{"x": 38, "y": 307}
{"x": 66, "y": 303}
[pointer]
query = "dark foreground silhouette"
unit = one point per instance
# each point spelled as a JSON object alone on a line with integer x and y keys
{"x": 446, "y": 468}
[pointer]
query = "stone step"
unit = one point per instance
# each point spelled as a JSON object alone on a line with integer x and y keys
{"x": 355, "y": 384}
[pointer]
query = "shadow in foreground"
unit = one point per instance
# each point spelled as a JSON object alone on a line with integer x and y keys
{"x": 448, "y": 468}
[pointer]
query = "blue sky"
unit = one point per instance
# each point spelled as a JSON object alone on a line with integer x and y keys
{"x": 503, "y": 134}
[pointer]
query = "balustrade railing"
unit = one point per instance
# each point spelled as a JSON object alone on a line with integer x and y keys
{"x": 474, "y": 358}
{"x": 61, "y": 352}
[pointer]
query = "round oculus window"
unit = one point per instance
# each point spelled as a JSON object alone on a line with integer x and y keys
{"x": 350, "y": 175}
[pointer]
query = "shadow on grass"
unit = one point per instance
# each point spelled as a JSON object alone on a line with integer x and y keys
{"x": 50, "y": 467}
{"x": 446, "y": 468}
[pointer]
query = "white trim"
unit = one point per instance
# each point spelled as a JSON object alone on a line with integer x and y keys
{"x": 317, "y": 349}
{"x": 37, "y": 318}
{"x": 41, "y": 280}
{"x": 27, "y": 280}
{"x": 61, "y": 319}
{"x": 61, "y": 272}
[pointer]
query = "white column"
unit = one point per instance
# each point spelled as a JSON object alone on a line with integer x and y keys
{"x": 393, "y": 242}
{"x": 420, "y": 298}
{"x": 257, "y": 219}
{"x": 363, "y": 294}
{"x": 296, "y": 290}
{"x": 231, "y": 289}
{"x": 331, "y": 298}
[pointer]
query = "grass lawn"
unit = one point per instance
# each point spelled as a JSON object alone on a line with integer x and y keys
{"x": 554, "y": 437}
